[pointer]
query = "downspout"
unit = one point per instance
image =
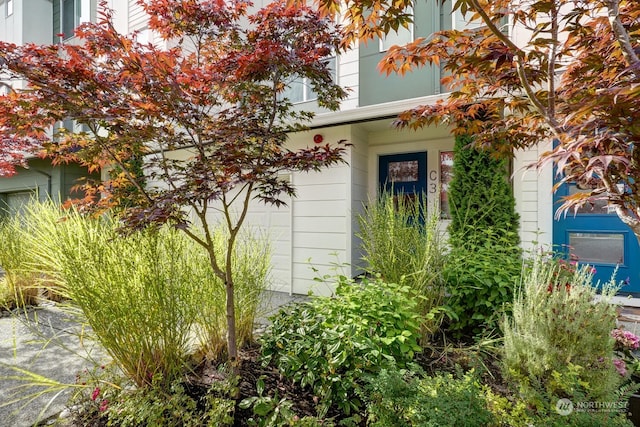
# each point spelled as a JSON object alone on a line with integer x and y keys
{"x": 291, "y": 239}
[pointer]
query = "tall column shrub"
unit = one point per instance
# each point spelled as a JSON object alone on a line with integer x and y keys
{"x": 485, "y": 259}
{"x": 480, "y": 195}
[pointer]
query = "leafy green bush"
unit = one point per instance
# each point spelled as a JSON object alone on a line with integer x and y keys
{"x": 172, "y": 406}
{"x": 481, "y": 279}
{"x": 402, "y": 399}
{"x": 484, "y": 264}
{"x": 272, "y": 411}
{"x": 327, "y": 344}
{"x": 517, "y": 412}
{"x": 558, "y": 343}
{"x": 402, "y": 243}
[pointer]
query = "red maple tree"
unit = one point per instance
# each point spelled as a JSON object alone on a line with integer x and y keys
{"x": 572, "y": 75}
{"x": 202, "y": 113}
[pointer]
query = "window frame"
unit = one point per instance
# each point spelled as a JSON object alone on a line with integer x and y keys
{"x": 382, "y": 41}
{"x": 9, "y": 8}
{"x": 308, "y": 95}
{"x": 76, "y": 7}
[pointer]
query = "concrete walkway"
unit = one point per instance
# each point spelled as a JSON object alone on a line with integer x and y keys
{"x": 44, "y": 341}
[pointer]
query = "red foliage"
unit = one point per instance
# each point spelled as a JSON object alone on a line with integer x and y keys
{"x": 195, "y": 121}
{"x": 571, "y": 75}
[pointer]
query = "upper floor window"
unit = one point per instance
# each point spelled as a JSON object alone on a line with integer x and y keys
{"x": 462, "y": 22}
{"x": 67, "y": 15}
{"x": 401, "y": 37}
{"x": 300, "y": 89}
{"x": 70, "y": 16}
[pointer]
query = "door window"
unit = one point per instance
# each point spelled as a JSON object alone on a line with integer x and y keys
{"x": 404, "y": 173}
{"x": 597, "y": 248}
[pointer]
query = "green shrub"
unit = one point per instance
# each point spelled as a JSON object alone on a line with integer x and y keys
{"x": 173, "y": 406}
{"x": 484, "y": 264}
{"x": 480, "y": 196}
{"x": 327, "y": 344}
{"x": 401, "y": 242}
{"x": 272, "y": 411}
{"x": 481, "y": 279}
{"x": 511, "y": 412}
{"x": 558, "y": 343}
{"x": 402, "y": 399}
{"x": 517, "y": 412}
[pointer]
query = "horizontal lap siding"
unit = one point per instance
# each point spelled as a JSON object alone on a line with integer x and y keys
{"x": 274, "y": 225}
{"x": 348, "y": 66}
{"x": 321, "y": 216}
{"x": 138, "y": 19}
{"x": 532, "y": 189}
{"x": 320, "y": 224}
{"x": 359, "y": 194}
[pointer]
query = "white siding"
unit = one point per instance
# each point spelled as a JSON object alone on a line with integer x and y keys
{"x": 534, "y": 199}
{"x": 137, "y": 17}
{"x": 359, "y": 192}
{"x": 321, "y": 217}
{"x": 348, "y": 77}
{"x": 275, "y": 224}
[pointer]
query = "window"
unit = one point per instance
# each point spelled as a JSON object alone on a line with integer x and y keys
{"x": 399, "y": 38}
{"x": 462, "y": 22}
{"x": 300, "y": 89}
{"x": 9, "y": 7}
{"x": 63, "y": 128}
{"x": 598, "y": 248}
{"x": 70, "y": 16}
{"x": 446, "y": 175}
{"x": 67, "y": 15}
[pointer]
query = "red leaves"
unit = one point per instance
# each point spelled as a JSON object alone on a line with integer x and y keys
{"x": 570, "y": 73}
{"x": 215, "y": 95}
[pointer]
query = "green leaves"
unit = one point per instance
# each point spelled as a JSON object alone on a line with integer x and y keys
{"x": 327, "y": 344}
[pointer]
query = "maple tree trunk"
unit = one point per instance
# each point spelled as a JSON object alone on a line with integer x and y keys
{"x": 232, "y": 345}
{"x": 630, "y": 220}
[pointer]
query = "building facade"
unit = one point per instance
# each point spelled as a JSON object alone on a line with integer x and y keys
{"x": 317, "y": 230}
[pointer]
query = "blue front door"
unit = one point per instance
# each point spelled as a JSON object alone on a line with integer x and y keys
{"x": 596, "y": 236}
{"x": 404, "y": 173}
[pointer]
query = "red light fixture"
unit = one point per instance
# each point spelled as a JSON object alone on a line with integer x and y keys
{"x": 317, "y": 138}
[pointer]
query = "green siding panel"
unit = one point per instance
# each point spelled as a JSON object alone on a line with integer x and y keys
{"x": 56, "y": 21}
{"x": 45, "y": 179}
{"x": 377, "y": 88}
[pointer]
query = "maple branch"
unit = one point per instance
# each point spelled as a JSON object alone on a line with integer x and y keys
{"x": 613, "y": 10}
{"x": 119, "y": 162}
{"x": 495, "y": 30}
{"x": 551, "y": 66}
{"x": 519, "y": 55}
{"x": 234, "y": 198}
